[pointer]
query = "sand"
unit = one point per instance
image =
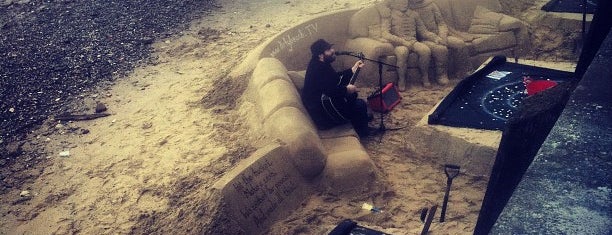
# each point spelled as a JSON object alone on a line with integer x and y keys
{"x": 177, "y": 125}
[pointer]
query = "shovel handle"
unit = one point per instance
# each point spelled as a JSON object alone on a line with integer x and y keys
{"x": 430, "y": 216}
{"x": 451, "y": 172}
{"x": 454, "y": 170}
{"x": 449, "y": 181}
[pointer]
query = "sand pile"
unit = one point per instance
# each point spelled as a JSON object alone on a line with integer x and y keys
{"x": 177, "y": 124}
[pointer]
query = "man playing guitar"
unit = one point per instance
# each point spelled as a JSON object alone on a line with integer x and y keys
{"x": 329, "y": 96}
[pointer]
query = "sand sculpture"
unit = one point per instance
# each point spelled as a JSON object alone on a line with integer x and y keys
{"x": 401, "y": 27}
{"x": 333, "y": 161}
{"x": 448, "y": 37}
{"x": 475, "y": 30}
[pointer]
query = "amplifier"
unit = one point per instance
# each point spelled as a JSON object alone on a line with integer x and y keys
{"x": 390, "y": 98}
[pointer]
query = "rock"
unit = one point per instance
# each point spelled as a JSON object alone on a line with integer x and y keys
{"x": 147, "y": 125}
{"x": 84, "y": 131}
{"x": 14, "y": 149}
{"x": 65, "y": 153}
{"x": 268, "y": 25}
{"x": 7, "y": 3}
{"x": 59, "y": 126}
{"x": 100, "y": 107}
{"x": 25, "y": 193}
{"x": 147, "y": 40}
{"x": 12, "y": 110}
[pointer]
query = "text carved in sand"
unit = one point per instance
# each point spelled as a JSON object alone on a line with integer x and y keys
{"x": 293, "y": 37}
{"x": 263, "y": 189}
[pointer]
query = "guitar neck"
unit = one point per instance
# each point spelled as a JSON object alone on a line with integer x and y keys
{"x": 354, "y": 77}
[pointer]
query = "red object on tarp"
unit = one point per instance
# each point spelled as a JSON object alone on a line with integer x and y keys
{"x": 390, "y": 98}
{"x": 535, "y": 86}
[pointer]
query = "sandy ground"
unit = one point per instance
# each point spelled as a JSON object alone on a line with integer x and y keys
{"x": 408, "y": 180}
{"x": 176, "y": 127}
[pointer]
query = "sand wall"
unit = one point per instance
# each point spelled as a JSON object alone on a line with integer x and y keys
{"x": 292, "y": 46}
{"x": 261, "y": 189}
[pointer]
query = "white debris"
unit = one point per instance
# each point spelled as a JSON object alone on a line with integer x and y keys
{"x": 25, "y": 193}
{"x": 64, "y": 153}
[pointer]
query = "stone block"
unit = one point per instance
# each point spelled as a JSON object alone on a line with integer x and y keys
{"x": 287, "y": 119}
{"x": 472, "y": 149}
{"x": 275, "y": 95}
{"x": 501, "y": 41}
{"x": 267, "y": 70}
{"x": 342, "y": 144}
{"x": 339, "y": 131}
{"x": 261, "y": 189}
{"x": 307, "y": 153}
{"x": 292, "y": 127}
{"x": 349, "y": 169}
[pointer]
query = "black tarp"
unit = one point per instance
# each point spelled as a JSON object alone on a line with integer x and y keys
{"x": 571, "y": 6}
{"x": 482, "y": 102}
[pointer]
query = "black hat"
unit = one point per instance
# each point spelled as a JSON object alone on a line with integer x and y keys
{"x": 319, "y": 47}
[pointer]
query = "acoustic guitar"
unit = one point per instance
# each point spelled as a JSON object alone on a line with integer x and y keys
{"x": 332, "y": 105}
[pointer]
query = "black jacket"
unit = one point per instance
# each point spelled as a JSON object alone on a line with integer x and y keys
{"x": 321, "y": 78}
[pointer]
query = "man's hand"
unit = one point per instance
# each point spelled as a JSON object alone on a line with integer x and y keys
{"x": 350, "y": 89}
{"x": 358, "y": 64}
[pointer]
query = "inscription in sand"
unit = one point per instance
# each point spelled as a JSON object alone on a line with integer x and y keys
{"x": 263, "y": 189}
{"x": 293, "y": 37}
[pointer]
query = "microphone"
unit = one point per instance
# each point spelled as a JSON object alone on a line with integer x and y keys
{"x": 344, "y": 53}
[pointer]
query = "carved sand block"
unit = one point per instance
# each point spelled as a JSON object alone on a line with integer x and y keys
{"x": 297, "y": 77}
{"x": 472, "y": 149}
{"x": 267, "y": 70}
{"x": 275, "y": 95}
{"x": 339, "y": 131}
{"x": 292, "y": 46}
{"x": 292, "y": 127}
{"x": 261, "y": 189}
{"x": 287, "y": 119}
{"x": 348, "y": 167}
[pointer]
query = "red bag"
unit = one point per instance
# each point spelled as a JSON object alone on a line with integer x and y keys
{"x": 535, "y": 86}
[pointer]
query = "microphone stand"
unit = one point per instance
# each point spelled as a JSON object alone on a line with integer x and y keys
{"x": 381, "y": 128}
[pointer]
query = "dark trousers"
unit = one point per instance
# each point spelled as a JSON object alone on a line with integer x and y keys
{"x": 359, "y": 117}
{"x": 356, "y": 112}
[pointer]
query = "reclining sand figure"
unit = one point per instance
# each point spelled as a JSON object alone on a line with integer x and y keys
{"x": 401, "y": 27}
{"x": 448, "y": 37}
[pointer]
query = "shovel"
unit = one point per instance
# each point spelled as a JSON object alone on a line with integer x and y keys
{"x": 451, "y": 172}
{"x": 427, "y": 217}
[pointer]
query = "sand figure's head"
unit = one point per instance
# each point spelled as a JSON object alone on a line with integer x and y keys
{"x": 401, "y": 5}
